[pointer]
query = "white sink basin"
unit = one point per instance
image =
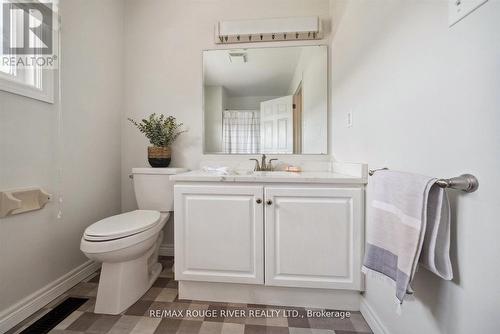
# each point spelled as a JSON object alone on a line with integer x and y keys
{"x": 268, "y": 176}
{"x": 241, "y": 172}
{"x": 274, "y": 173}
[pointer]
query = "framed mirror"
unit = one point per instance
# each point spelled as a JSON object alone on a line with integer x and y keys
{"x": 266, "y": 100}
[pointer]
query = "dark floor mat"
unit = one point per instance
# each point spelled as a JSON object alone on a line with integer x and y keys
{"x": 46, "y": 323}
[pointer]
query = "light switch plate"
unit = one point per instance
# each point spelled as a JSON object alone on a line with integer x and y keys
{"x": 458, "y": 9}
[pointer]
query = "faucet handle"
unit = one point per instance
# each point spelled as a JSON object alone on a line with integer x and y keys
{"x": 270, "y": 165}
{"x": 257, "y": 166}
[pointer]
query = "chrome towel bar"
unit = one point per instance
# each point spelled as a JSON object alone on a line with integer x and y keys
{"x": 464, "y": 182}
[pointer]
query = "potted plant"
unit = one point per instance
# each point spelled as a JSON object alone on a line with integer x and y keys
{"x": 161, "y": 131}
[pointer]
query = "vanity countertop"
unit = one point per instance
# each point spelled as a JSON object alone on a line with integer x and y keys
{"x": 269, "y": 177}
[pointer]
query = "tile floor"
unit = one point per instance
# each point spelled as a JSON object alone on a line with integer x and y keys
{"x": 163, "y": 296}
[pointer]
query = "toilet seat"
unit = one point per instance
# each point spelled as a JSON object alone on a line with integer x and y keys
{"x": 104, "y": 246}
{"x": 122, "y": 225}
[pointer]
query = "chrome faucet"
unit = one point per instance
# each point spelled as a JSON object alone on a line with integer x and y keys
{"x": 263, "y": 166}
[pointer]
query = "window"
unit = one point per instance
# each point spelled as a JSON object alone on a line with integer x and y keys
{"x": 25, "y": 74}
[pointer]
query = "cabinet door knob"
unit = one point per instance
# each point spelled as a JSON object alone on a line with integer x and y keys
{"x": 269, "y": 202}
{"x": 258, "y": 201}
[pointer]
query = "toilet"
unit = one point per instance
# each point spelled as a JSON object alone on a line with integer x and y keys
{"x": 127, "y": 244}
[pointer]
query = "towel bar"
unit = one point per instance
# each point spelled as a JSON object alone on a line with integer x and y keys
{"x": 464, "y": 182}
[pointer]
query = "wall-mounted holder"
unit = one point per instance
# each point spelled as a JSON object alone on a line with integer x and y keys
{"x": 464, "y": 182}
{"x": 14, "y": 202}
{"x": 268, "y": 30}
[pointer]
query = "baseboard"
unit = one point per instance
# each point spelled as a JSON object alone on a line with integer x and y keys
{"x": 270, "y": 295}
{"x": 166, "y": 250}
{"x": 372, "y": 318}
{"x": 34, "y": 302}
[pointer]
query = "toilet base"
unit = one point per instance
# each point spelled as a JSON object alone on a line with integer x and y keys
{"x": 121, "y": 284}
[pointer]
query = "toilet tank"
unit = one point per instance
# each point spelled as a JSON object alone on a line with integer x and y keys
{"x": 153, "y": 188}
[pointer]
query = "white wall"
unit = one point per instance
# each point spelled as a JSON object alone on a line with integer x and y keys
{"x": 312, "y": 74}
{"x": 37, "y": 248}
{"x": 164, "y": 74}
{"x": 425, "y": 99}
{"x": 247, "y": 102}
{"x": 164, "y": 42}
{"x": 215, "y": 98}
{"x": 315, "y": 105}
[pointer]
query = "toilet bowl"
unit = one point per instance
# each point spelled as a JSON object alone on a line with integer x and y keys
{"x": 127, "y": 244}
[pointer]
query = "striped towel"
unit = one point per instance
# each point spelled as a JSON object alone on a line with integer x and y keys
{"x": 409, "y": 216}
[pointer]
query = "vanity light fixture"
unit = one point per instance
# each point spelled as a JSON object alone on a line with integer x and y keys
{"x": 264, "y": 30}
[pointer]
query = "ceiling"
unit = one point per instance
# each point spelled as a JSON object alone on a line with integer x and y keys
{"x": 267, "y": 72}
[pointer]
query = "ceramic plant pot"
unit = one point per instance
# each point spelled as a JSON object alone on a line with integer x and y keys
{"x": 159, "y": 156}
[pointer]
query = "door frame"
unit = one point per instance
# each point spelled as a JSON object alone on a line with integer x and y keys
{"x": 297, "y": 119}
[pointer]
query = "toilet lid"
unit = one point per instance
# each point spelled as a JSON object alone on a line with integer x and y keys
{"x": 123, "y": 225}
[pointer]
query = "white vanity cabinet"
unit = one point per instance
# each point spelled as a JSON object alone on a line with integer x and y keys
{"x": 313, "y": 237}
{"x": 219, "y": 233}
{"x": 283, "y": 235}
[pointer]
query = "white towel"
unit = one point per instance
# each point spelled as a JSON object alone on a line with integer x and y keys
{"x": 435, "y": 254}
{"x": 409, "y": 217}
{"x": 217, "y": 170}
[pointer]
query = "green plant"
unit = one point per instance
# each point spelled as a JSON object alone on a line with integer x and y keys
{"x": 161, "y": 131}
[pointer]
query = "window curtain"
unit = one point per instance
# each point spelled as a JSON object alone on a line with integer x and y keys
{"x": 241, "y": 131}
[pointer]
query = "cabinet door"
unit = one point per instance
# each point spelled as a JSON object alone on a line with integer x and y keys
{"x": 219, "y": 233}
{"x": 314, "y": 237}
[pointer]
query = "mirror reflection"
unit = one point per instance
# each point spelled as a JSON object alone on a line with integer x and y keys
{"x": 265, "y": 100}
